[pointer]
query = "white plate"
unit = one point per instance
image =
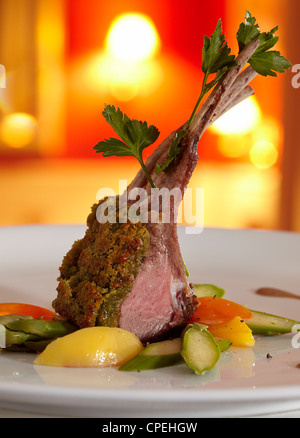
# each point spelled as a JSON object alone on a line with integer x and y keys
{"x": 245, "y": 382}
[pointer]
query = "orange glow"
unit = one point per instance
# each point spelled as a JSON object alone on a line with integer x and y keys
{"x": 234, "y": 145}
{"x": 3, "y": 100}
{"x": 51, "y": 79}
{"x": 18, "y": 130}
{"x": 269, "y": 129}
{"x": 127, "y": 67}
{"x": 102, "y": 73}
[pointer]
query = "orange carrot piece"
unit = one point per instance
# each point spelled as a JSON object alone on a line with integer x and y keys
{"x": 25, "y": 309}
{"x": 214, "y": 310}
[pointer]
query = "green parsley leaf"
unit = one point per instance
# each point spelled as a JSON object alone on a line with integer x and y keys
{"x": 113, "y": 147}
{"x": 215, "y": 52}
{"x": 247, "y": 32}
{"x": 267, "y": 40}
{"x": 216, "y": 59}
{"x": 269, "y": 63}
{"x": 264, "y": 61}
{"x": 136, "y": 137}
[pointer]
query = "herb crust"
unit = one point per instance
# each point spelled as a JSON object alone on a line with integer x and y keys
{"x": 99, "y": 271}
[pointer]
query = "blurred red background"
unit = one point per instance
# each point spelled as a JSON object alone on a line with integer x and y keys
{"x": 181, "y": 30}
{"x": 62, "y": 66}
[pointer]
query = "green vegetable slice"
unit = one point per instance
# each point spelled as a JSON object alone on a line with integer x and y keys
{"x": 37, "y": 346}
{"x": 268, "y": 324}
{"x": 200, "y": 350}
{"x": 156, "y": 355}
{"x": 208, "y": 290}
{"x": 21, "y": 332}
{"x": 41, "y": 328}
{"x": 11, "y": 337}
{"x": 223, "y": 344}
{"x": 6, "y": 319}
{"x": 163, "y": 354}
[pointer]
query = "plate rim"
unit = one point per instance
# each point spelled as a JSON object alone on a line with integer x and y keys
{"x": 212, "y": 394}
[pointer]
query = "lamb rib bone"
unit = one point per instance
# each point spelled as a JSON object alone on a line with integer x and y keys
{"x": 244, "y": 94}
{"x": 231, "y": 91}
{"x": 226, "y": 90}
{"x": 239, "y": 91}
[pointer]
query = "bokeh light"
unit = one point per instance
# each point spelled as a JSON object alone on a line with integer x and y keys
{"x": 240, "y": 119}
{"x": 132, "y": 37}
{"x": 263, "y": 154}
{"x": 18, "y": 130}
{"x": 127, "y": 66}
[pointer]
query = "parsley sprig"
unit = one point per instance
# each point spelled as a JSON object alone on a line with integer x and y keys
{"x": 136, "y": 137}
{"x": 264, "y": 61}
{"x": 217, "y": 61}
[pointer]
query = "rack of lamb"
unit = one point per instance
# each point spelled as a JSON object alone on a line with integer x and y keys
{"x": 131, "y": 274}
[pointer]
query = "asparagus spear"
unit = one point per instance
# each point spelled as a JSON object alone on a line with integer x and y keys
{"x": 27, "y": 333}
{"x": 42, "y": 329}
{"x": 268, "y": 324}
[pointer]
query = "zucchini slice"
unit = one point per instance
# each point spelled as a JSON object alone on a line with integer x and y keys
{"x": 156, "y": 355}
{"x": 208, "y": 290}
{"x": 200, "y": 350}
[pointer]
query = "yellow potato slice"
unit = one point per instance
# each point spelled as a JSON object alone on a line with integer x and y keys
{"x": 91, "y": 347}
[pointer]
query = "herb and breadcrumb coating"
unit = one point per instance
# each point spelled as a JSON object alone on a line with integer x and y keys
{"x": 99, "y": 271}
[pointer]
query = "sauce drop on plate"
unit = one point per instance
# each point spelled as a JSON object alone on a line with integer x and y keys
{"x": 277, "y": 293}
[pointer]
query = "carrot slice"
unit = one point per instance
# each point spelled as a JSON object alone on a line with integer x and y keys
{"x": 25, "y": 309}
{"x": 214, "y": 310}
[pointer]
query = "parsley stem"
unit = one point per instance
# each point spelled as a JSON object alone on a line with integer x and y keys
{"x": 147, "y": 174}
{"x": 202, "y": 94}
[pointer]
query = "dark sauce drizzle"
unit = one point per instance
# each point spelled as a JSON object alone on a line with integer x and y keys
{"x": 277, "y": 293}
